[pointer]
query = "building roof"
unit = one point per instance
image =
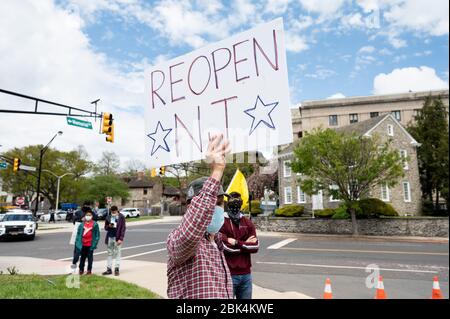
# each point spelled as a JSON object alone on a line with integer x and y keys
{"x": 362, "y": 127}
{"x": 141, "y": 183}
{"x": 170, "y": 191}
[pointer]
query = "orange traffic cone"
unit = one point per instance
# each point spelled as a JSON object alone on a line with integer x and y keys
{"x": 436, "y": 293}
{"x": 381, "y": 294}
{"x": 327, "y": 294}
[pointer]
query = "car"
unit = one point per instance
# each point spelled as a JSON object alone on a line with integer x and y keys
{"x": 60, "y": 215}
{"x": 18, "y": 224}
{"x": 130, "y": 212}
{"x": 102, "y": 213}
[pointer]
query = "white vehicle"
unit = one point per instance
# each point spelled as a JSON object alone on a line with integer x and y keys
{"x": 18, "y": 224}
{"x": 130, "y": 212}
{"x": 60, "y": 215}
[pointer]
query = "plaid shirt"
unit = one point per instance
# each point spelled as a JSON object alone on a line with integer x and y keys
{"x": 196, "y": 268}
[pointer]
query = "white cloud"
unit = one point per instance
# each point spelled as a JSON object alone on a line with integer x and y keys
{"x": 385, "y": 51}
{"x": 406, "y": 79}
{"x": 46, "y": 54}
{"x": 336, "y": 96}
{"x": 366, "y": 49}
{"x": 277, "y": 6}
{"x": 323, "y": 7}
{"x": 321, "y": 73}
{"x": 424, "y": 16}
{"x": 294, "y": 42}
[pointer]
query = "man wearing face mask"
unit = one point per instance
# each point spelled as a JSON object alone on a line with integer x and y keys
{"x": 239, "y": 238}
{"x": 115, "y": 226}
{"x": 196, "y": 268}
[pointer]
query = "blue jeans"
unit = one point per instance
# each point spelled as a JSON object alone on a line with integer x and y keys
{"x": 242, "y": 286}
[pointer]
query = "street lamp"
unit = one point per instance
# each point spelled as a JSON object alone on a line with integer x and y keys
{"x": 59, "y": 181}
{"x": 42, "y": 151}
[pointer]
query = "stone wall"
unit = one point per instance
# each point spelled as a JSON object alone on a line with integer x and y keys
{"x": 411, "y": 226}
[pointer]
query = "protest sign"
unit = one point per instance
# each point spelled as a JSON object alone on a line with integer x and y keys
{"x": 238, "y": 87}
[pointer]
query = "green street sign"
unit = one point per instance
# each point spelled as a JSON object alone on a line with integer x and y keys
{"x": 3, "y": 165}
{"x": 79, "y": 123}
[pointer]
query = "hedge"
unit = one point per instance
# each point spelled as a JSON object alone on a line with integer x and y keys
{"x": 290, "y": 211}
{"x": 324, "y": 213}
{"x": 256, "y": 209}
{"x": 374, "y": 207}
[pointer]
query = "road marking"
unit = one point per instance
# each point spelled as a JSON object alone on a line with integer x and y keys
{"x": 126, "y": 248}
{"x": 368, "y": 251}
{"x": 345, "y": 267}
{"x": 142, "y": 254}
{"x": 282, "y": 243}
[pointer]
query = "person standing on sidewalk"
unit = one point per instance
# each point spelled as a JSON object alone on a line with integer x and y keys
{"x": 86, "y": 242}
{"x": 52, "y": 217}
{"x": 196, "y": 268}
{"x": 78, "y": 219}
{"x": 115, "y": 226}
{"x": 240, "y": 241}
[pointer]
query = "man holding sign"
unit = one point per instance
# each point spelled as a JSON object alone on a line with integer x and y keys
{"x": 197, "y": 268}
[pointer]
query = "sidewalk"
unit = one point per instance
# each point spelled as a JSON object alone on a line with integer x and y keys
{"x": 150, "y": 275}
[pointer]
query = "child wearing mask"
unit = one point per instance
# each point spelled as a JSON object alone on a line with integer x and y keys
{"x": 87, "y": 239}
{"x": 115, "y": 226}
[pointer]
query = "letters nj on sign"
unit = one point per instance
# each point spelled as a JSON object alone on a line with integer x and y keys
{"x": 238, "y": 87}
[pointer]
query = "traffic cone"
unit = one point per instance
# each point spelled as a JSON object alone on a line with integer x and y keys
{"x": 436, "y": 293}
{"x": 381, "y": 294}
{"x": 327, "y": 294}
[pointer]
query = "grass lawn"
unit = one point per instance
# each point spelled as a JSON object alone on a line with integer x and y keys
{"x": 54, "y": 287}
{"x": 134, "y": 219}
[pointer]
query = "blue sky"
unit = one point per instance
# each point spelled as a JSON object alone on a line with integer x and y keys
{"x": 76, "y": 51}
{"x": 328, "y": 58}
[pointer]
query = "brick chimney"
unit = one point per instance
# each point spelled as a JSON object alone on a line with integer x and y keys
{"x": 140, "y": 176}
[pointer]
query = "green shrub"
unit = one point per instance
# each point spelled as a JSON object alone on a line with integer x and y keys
{"x": 256, "y": 209}
{"x": 341, "y": 213}
{"x": 324, "y": 213}
{"x": 2, "y": 210}
{"x": 290, "y": 211}
{"x": 374, "y": 208}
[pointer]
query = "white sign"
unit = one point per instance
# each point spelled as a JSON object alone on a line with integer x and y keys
{"x": 238, "y": 87}
{"x": 27, "y": 168}
{"x": 20, "y": 201}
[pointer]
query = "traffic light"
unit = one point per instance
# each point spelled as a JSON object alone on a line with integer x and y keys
{"x": 153, "y": 173}
{"x": 16, "y": 165}
{"x": 108, "y": 127}
{"x": 162, "y": 171}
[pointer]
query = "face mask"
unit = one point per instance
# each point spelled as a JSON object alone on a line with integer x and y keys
{"x": 217, "y": 221}
{"x": 88, "y": 218}
{"x": 114, "y": 214}
{"x": 234, "y": 210}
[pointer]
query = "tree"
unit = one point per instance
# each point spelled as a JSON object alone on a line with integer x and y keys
{"x": 352, "y": 163}
{"x": 58, "y": 162}
{"x": 109, "y": 164}
{"x": 133, "y": 167}
{"x": 99, "y": 187}
{"x": 431, "y": 130}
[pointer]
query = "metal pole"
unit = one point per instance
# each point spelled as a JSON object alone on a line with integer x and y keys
{"x": 57, "y": 193}
{"x": 36, "y": 206}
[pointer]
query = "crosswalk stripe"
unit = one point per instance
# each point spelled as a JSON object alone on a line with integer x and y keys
{"x": 282, "y": 243}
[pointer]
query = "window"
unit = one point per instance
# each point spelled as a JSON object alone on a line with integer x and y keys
{"x": 333, "y": 120}
{"x": 416, "y": 112}
{"x": 404, "y": 156}
{"x": 301, "y": 195}
{"x": 353, "y": 118}
{"x": 374, "y": 114}
{"x": 287, "y": 168}
{"x": 406, "y": 192}
{"x": 385, "y": 193}
{"x": 145, "y": 191}
{"x": 334, "y": 187}
{"x": 397, "y": 115}
{"x": 390, "y": 130}
{"x": 288, "y": 195}
{"x": 300, "y": 134}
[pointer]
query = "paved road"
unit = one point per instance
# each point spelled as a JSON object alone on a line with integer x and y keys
{"x": 298, "y": 264}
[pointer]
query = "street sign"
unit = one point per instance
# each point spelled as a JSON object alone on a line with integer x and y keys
{"x": 3, "y": 165}
{"x": 27, "y": 168}
{"x": 76, "y": 122}
{"x": 20, "y": 201}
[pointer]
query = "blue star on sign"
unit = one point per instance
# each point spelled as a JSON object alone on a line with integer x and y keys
{"x": 261, "y": 114}
{"x": 160, "y": 138}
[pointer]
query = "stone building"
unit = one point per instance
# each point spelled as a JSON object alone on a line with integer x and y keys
{"x": 405, "y": 197}
{"x": 332, "y": 113}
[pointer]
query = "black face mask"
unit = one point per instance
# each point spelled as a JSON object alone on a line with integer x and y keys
{"x": 234, "y": 210}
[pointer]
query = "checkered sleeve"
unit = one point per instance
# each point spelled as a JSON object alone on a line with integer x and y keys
{"x": 183, "y": 241}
